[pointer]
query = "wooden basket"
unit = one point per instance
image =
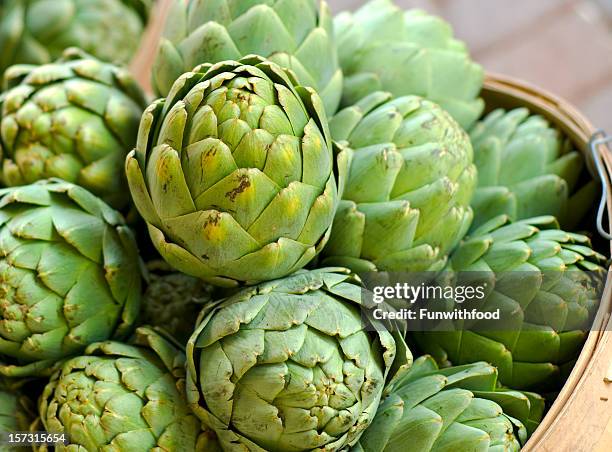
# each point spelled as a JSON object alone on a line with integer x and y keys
{"x": 581, "y": 417}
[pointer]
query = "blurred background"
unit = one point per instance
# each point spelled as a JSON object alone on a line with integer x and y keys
{"x": 564, "y": 46}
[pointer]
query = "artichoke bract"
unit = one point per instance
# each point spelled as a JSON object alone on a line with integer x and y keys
{"x": 291, "y": 365}
{"x": 297, "y": 35}
{"x": 406, "y": 200}
{"x": 234, "y": 173}
{"x": 457, "y": 408}
{"x": 38, "y": 31}
{"x": 16, "y": 414}
{"x": 75, "y": 119}
{"x": 173, "y": 301}
{"x": 124, "y": 397}
{"x": 547, "y": 284}
{"x": 526, "y": 169}
{"x": 382, "y": 47}
{"x": 69, "y": 275}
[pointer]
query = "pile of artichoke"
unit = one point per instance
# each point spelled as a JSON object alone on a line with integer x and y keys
{"x": 192, "y": 272}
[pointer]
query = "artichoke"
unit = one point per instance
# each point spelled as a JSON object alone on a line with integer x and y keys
{"x": 527, "y": 169}
{"x": 234, "y": 173}
{"x": 38, "y": 31}
{"x": 406, "y": 201}
{"x": 547, "y": 285}
{"x": 173, "y": 301}
{"x": 290, "y": 365}
{"x": 123, "y": 397}
{"x": 381, "y": 47}
{"x": 75, "y": 119}
{"x": 69, "y": 275}
{"x": 295, "y": 34}
{"x": 16, "y": 413}
{"x": 458, "y": 409}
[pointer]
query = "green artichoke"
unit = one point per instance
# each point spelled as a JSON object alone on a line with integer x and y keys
{"x": 526, "y": 169}
{"x": 69, "y": 275}
{"x": 173, "y": 301}
{"x": 458, "y": 409}
{"x": 75, "y": 119}
{"x": 547, "y": 285}
{"x": 16, "y": 413}
{"x": 290, "y": 365}
{"x": 295, "y": 34}
{"x": 38, "y": 31}
{"x": 381, "y": 47}
{"x": 234, "y": 173}
{"x": 406, "y": 201}
{"x": 123, "y": 397}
